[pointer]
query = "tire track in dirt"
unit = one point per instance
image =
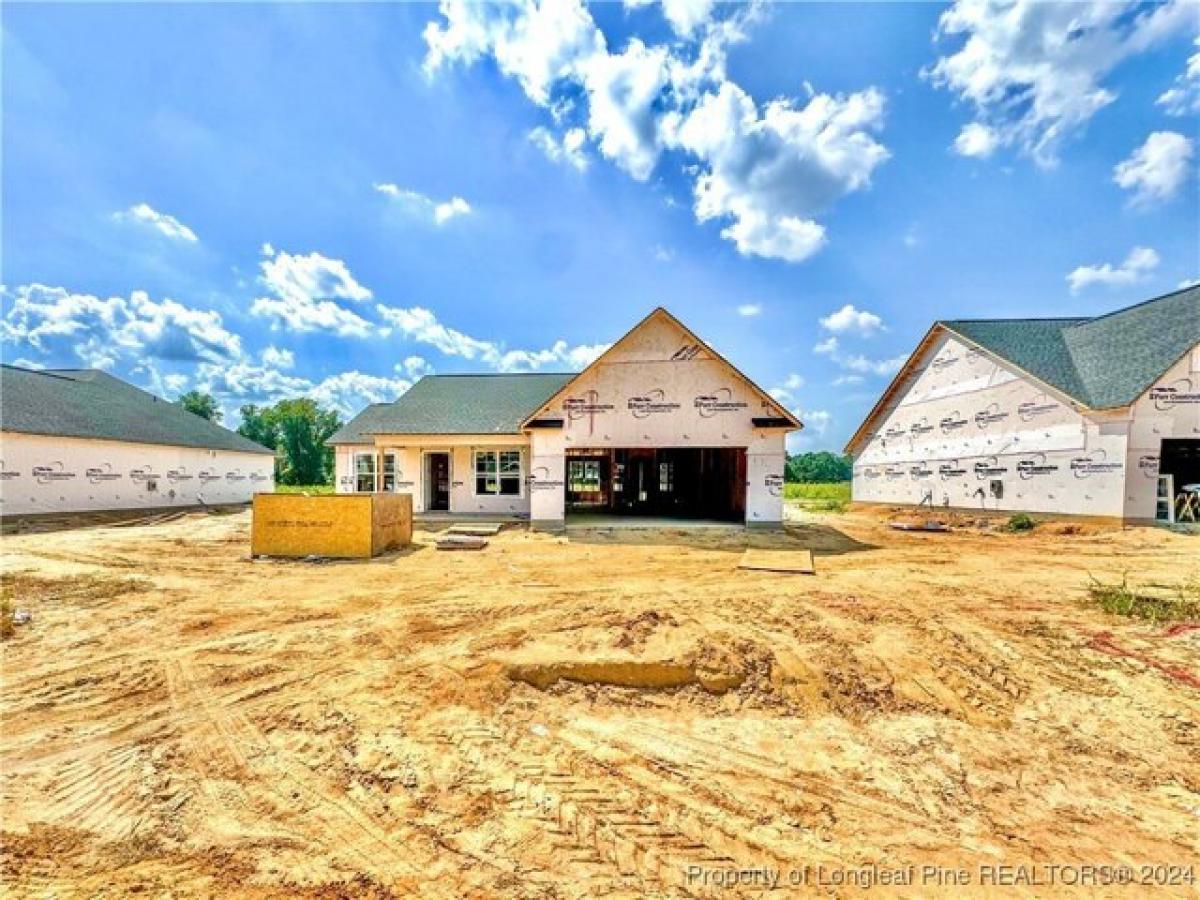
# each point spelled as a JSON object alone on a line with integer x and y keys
{"x": 329, "y": 818}
{"x": 624, "y": 825}
{"x": 638, "y": 739}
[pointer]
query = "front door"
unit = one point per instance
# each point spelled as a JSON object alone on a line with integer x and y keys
{"x": 640, "y": 484}
{"x": 438, "y": 482}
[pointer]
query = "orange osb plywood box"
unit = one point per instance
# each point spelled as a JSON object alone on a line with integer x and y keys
{"x": 349, "y": 526}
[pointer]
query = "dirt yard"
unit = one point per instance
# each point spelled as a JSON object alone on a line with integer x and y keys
{"x": 621, "y": 714}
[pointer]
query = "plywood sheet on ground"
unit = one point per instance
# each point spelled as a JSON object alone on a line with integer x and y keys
{"x": 475, "y": 528}
{"x": 461, "y": 542}
{"x": 795, "y": 562}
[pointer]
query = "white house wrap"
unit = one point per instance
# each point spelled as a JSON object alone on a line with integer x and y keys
{"x": 76, "y": 440}
{"x": 659, "y": 425}
{"x": 1095, "y": 417}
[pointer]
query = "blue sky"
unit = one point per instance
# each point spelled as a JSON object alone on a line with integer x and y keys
{"x": 273, "y": 200}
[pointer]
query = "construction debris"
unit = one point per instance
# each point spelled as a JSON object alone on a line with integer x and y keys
{"x": 475, "y": 528}
{"x": 920, "y": 526}
{"x": 460, "y": 542}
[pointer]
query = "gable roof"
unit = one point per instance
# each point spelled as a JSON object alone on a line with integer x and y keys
{"x": 456, "y": 404}
{"x": 1104, "y": 362}
{"x": 660, "y": 311}
{"x": 89, "y": 403}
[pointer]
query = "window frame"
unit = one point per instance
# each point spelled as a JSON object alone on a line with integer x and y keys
{"x": 496, "y": 472}
{"x": 373, "y": 474}
{"x": 390, "y": 458}
{"x": 584, "y": 484}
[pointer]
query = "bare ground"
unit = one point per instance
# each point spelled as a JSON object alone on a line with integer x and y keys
{"x": 600, "y": 716}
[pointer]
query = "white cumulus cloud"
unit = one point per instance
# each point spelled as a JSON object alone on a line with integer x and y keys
{"x": 785, "y": 393}
{"x": 1184, "y": 98}
{"x": 1156, "y": 170}
{"x": 414, "y": 367}
{"x": 749, "y": 309}
{"x": 976, "y": 140}
{"x": 765, "y": 172}
{"x": 867, "y": 366}
{"x": 538, "y": 44}
{"x": 168, "y": 226}
{"x": 278, "y": 357}
{"x": 569, "y": 149}
{"x": 1140, "y": 262}
{"x": 850, "y": 320}
{"x": 437, "y": 211}
{"x": 247, "y": 382}
{"x": 349, "y": 392}
{"x": 102, "y": 331}
{"x": 304, "y": 290}
{"x": 1035, "y": 71}
{"x": 769, "y": 172}
{"x": 422, "y": 325}
{"x": 817, "y": 420}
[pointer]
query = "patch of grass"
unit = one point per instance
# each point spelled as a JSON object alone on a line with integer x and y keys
{"x": 1019, "y": 523}
{"x": 1153, "y": 602}
{"x": 304, "y": 488}
{"x": 824, "y": 497}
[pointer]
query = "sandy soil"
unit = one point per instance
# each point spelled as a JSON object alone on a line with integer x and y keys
{"x": 618, "y": 714}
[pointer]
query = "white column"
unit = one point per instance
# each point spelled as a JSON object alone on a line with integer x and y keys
{"x": 547, "y": 477}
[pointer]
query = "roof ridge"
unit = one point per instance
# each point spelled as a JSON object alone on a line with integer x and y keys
{"x": 108, "y": 408}
{"x": 1019, "y": 319}
{"x": 49, "y": 373}
{"x": 1131, "y": 307}
{"x": 488, "y": 374}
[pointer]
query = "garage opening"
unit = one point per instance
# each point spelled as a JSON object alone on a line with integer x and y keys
{"x": 1179, "y": 480}
{"x": 669, "y": 482}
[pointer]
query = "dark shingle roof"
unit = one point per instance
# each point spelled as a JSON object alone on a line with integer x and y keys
{"x": 456, "y": 404}
{"x": 88, "y": 403}
{"x": 1104, "y": 362}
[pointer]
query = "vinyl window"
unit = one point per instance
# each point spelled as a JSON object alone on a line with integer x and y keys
{"x": 498, "y": 472}
{"x": 666, "y": 477}
{"x": 364, "y": 472}
{"x": 583, "y": 476}
{"x": 389, "y": 471}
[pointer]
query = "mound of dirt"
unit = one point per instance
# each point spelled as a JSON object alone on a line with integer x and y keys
{"x": 655, "y": 675}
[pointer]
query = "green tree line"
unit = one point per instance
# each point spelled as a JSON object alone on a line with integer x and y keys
{"x": 818, "y": 468}
{"x": 295, "y": 429}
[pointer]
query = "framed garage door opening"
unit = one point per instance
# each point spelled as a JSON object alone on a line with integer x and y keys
{"x": 669, "y": 482}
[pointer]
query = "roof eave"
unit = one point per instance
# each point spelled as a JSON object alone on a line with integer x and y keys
{"x": 893, "y": 385}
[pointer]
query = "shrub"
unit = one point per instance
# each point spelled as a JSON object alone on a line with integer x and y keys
{"x": 1019, "y": 523}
